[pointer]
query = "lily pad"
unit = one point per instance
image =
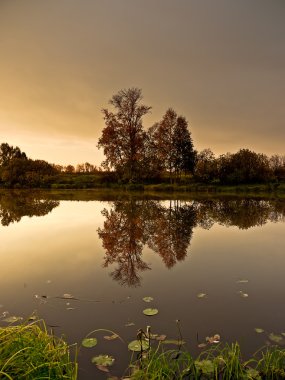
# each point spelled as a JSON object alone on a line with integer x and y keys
{"x": 89, "y": 342}
{"x": 201, "y": 295}
{"x": 103, "y": 360}
{"x": 258, "y": 330}
{"x": 147, "y": 299}
{"x": 275, "y": 338}
{"x": 137, "y": 345}
{"x": 150, "y": 312}
{"x": 12, "y": 319}
{"x": 206, "y": 366}
{"x": 177, "y": 342}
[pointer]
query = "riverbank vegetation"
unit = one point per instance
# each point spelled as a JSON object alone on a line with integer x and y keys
{"x": 29, "y": 352}
{"x": 219, "y": 363}
{"x": 162, "y": 155}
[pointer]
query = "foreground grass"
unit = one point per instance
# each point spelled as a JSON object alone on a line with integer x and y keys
{"x": 29, "y": 352}
{"x": 218, "y": 363}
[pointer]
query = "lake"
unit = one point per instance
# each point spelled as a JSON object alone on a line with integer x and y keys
{"x": 84, "y": 261}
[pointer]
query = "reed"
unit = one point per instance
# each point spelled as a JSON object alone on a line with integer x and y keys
{"x": 28, "y": 351}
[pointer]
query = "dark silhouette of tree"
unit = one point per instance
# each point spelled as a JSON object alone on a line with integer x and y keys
{"x": 13, "y": 206}
{"x": 8, "y": 153}
{"x": 244, "y": 166}
{"x": 184, "y": 153}
{"x": 206, "y": 166}
{"x": 123, "y": 136}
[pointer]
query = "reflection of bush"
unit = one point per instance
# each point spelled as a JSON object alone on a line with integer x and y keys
{"x": 167, "y": 229}
{"x": 13, "y": 207}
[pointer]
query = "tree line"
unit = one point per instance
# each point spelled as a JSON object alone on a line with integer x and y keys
{"x": 166, "y": 148}
{"x": 134, "y": 154}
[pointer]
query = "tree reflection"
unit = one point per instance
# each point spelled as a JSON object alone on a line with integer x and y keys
{"x": 133, "y": 224}
{"x": 167, "y": 229}
{"x": 123, "y": 239}
{"x": 171, "y": 231}
{"x": 13, "y": 206}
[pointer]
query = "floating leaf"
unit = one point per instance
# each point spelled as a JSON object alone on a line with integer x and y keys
{"x": 102, "y": 368}
{"x": 150, "y": 312}
{"x": 137, "y": 345}
{"x": 242, "y": 281}
{"x": 130, "y": 324}
{"x": 242, "y": 294}
{"x": 207, "y": 367}
{"x": 275, "y": 338}
{"x": 89, "y": 342}
{"x": 147, "y": 299}
{"x": 213, "y": 339}
{"x": 201, "y": 295}
{"x": 103, "y": 360}
{"x": 202, "y": 345}
{"x": 177, "y": 342}
{"x": 70, "y": 308}
{"x": 111, "y": 337}
{"x": 258, "y": 330}
{"x": 161, "y": 337}
{"x": 68, "y": 296}
{"x": 12, "y": 319}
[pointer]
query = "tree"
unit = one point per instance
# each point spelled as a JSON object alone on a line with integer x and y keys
{"x": 184, "y": 153}
{"x": 8, "y": 153}
{"x": 163, "y": 135}
{"x": 206, "y": 166}
{"x": 123, "y": 136}
{"x": 172, "y": 142}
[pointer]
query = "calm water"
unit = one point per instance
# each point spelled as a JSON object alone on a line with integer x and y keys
{"x": 109, "y": 252}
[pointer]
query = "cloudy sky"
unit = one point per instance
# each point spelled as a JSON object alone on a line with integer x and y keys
{"x": 220, "y": 63}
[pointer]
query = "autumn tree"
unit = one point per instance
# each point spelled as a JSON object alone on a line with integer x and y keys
{"x": 123, "y": 137}
{"x": 172, "y": 143}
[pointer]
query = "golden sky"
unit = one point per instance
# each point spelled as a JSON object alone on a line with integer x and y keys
{"x": 219, "y": 63}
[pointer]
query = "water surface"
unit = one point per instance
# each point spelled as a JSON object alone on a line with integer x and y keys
{"x": 111, "y": 251}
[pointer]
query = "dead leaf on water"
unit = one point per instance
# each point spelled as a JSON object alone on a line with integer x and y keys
{"x": 111, "y": 337}
{"x": 258, "y": 330}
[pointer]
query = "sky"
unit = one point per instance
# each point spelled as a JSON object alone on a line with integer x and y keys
{"x": 219, "y": 63}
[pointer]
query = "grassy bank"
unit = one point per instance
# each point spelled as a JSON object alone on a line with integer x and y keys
{"x": 29, "y": 352}
{"x": 218, "y": 363}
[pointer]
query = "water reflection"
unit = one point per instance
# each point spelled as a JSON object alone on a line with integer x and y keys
{"x": 13, "y": 206}
{"x": 167, "y": 228}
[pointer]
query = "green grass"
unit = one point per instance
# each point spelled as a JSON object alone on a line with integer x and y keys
{"x": 29, "y": 352}
{"x": 217, "y": 363}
